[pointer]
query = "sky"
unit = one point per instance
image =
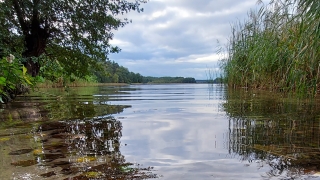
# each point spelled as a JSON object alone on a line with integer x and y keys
{"x": 178, "y": 37}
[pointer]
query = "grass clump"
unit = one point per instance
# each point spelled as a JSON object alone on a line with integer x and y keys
{"x": 276, "y": 48}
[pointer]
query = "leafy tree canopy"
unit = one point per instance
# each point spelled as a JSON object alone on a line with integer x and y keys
{"x": 76, "y": 31}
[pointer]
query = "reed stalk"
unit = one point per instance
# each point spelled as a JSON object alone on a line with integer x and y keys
{"x": 276, "y": 48}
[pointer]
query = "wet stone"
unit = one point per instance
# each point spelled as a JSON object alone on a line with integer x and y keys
{"x": 59, "y": 163}
{"x": 49, "y": 174}
{"x": 55, "y": 151}
{"x": 66, "y": 171}
{"x": 25, "y": 163}
{"x": 52, "y": 126}
{"x": 81, "y": 177}
{"x": 20, "y": 151}
{"x": 51, "y": 157}
{"x": 60, "y": 136}
{"x": 56, "y": 147}
{"x": 70, "y": 170}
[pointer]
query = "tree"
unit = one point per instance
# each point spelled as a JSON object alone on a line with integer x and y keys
{"x": 81, "y": 29}
{"x": 115, "y": 78}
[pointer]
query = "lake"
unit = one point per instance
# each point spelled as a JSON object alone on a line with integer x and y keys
{"x": 170, "y": 131}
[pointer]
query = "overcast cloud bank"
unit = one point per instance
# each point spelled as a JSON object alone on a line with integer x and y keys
{"x": 178, "y": 38}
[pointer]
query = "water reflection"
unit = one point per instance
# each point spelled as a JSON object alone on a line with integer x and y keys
{"x": 183, "y": 131}
{"x": 282, "y": 132}
{"x": 73, "y": 138}
{"x": 78, "y": 103}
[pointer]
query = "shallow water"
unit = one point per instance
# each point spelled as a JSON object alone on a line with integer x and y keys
{"x": 183, "y": 131}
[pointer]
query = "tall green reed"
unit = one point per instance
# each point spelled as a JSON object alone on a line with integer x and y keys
{"x": 276, "y": 48}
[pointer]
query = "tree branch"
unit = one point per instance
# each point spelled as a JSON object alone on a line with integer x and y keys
{"x": 20, "y": 16}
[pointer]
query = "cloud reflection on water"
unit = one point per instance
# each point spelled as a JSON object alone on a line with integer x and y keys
{"x": 186, "y": 137}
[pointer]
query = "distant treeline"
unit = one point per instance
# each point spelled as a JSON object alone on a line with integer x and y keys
{"x": 112, "y": 72}
{"x": 218, "y": 80}
{"x": 150, "y": 79}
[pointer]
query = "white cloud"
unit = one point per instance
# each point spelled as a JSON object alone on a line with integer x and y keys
{"x": 203, "y": 58}
{"x": 177, "y": 38}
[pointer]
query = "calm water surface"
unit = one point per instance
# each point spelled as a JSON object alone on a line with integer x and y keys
{"x": 195, "y": 131}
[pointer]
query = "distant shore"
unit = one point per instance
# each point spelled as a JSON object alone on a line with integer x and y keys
{"x": 82, "y": 84}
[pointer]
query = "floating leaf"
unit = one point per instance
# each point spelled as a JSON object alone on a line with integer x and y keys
{"x": 4, "y": 139}
{"x": 86, "y": 159}
{"x": 93, "y": 174}
{"x": 37, "y": 152}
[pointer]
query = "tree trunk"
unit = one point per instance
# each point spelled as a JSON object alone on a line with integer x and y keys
{"x": 35, "y": 46}
{"x": 33, "y": 68}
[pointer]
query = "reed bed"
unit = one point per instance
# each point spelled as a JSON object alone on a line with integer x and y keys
{"x": 276, "y": 48}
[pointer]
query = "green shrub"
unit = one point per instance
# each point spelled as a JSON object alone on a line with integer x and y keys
{"x": 14, "y": 80}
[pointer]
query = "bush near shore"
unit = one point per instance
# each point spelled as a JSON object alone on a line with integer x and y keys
{"x": 14, "y": 79}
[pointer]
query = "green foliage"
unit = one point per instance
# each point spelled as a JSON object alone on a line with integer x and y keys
{"x": 112, "y": 72}
{"x": 13, "y": 77}
{"x": 102, "y": 72}
{"x": 10, "y": 43}
{"x": 69, "y": 62}
{"x": 276, "y": 48}
{"x": 74, "y": 33}
{"x": 60, "y": 72}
